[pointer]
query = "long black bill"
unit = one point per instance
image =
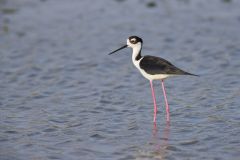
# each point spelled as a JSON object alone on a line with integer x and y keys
{"x": 118, "y": 49}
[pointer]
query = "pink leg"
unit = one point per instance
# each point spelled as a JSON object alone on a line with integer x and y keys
{"x": 166, "y": 101}
{"x": 154, "y": 102}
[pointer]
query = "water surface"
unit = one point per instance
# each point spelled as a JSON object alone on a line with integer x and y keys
{"x": 63, "y": 97}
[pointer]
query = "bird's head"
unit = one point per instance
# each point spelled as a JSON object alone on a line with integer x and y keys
{"x": 132, "y": 42}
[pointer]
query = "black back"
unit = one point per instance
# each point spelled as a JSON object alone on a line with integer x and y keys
{"x": 156, "y": 65}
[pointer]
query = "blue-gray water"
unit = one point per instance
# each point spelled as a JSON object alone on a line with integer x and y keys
{"x": 62, "y": 97}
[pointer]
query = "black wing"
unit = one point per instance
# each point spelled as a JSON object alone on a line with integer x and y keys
{"x": 156, "y": 65}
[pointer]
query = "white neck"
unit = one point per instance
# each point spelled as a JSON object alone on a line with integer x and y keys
{"x": 136, "y": 51}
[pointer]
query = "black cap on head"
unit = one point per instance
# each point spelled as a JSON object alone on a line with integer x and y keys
{"x": 135, "y": 39}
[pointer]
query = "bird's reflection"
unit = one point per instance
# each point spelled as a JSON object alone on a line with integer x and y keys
{"x": 157, "y": 147}
{"x": 160, "y": 141}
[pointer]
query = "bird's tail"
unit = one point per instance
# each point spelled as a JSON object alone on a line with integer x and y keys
{"x": 190, "y": 74}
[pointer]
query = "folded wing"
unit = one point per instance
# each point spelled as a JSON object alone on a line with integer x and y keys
{"x": 156, "y": 65}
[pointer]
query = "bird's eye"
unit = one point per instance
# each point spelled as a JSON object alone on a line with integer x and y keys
{"x": 133, "y": 41}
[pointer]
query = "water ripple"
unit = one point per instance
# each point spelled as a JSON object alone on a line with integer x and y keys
{"x": 63, "y": 97}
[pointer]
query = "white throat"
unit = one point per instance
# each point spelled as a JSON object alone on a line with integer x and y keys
{"x": 135, "y": 52}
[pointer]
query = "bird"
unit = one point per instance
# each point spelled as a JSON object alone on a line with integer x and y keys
{"x": 152, "y": 68}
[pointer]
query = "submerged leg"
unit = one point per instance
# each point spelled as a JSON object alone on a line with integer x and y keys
{"x": 154, "y": 102}
{"x": 166, "y": 101}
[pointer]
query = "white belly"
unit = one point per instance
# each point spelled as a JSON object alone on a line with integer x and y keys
{"x": 154, "y": 77}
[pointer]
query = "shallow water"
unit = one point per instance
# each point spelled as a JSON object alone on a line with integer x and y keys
{"x": 63, "y": 97}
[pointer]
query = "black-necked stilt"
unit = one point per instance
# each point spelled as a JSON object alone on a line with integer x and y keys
{"x": 152, "y": 68}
